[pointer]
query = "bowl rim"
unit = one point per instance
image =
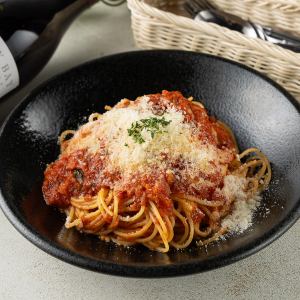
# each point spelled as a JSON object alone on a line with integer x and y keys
{"x": 128, "y": 270}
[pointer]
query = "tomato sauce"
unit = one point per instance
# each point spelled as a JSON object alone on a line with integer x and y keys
{"x": 79, "y": 173}
{"x": 83, "y": 173}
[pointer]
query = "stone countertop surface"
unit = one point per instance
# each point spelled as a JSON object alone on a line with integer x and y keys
{"x": 29, "y": 273}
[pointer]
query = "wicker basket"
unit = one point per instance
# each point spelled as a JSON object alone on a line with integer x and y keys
{"x": 154, "y": 26}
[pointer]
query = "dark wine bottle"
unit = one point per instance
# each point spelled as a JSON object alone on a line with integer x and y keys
{"x": 27, "y": 43}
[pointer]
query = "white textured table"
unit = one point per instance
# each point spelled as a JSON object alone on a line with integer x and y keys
{"x": 28, "y": 273}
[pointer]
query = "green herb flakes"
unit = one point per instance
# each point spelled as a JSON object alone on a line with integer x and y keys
{"x": 152, "y": 125}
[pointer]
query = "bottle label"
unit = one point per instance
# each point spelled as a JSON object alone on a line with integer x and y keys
{"x": 9, "y": 75}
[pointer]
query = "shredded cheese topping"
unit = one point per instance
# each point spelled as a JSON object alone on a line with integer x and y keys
{"x": 241, "y": 216}
{"x": 178, "y": 141}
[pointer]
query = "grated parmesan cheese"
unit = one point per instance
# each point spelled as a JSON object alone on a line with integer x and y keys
{"x": 240, "y": 218}
{"x": 178, "y": 141}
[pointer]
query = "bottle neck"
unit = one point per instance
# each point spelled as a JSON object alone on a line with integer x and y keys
{"x": 43, "y": 48}
{"x": 68, "y": 14}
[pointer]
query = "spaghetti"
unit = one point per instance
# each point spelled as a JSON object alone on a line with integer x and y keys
{"x": 156, "y": 171}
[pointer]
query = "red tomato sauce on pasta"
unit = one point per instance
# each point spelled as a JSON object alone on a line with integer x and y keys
{"x": 81, "y": 173}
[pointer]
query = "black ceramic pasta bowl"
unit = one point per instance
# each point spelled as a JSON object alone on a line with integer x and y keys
{"x": 260, "y": 113}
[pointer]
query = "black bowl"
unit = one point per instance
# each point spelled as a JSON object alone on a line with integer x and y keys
{"x": 260, "y": 113}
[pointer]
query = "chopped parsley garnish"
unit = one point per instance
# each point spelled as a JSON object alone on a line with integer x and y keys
{"x": 152, "y": 125}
